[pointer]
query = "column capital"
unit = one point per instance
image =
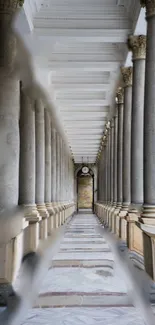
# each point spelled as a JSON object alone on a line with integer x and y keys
{"x": 150, "y": 7}
{"x": 137, "y": 44}
{"x": 120, "y": 95}
{"x": 127, "y": 76}
{"x": 8, "y": 8}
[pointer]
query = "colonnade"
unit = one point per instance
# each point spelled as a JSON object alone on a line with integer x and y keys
{"x": 126, "y": 163}
{"x": 36, "y": 167}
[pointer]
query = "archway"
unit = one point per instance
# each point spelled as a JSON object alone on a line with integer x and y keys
{"x": 85, "y": 189}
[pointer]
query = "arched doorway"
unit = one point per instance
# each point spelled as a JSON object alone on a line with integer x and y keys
{"x": 85, "y": 189}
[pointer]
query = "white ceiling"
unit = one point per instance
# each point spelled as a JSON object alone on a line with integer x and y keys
{"x": 82, "y": 44}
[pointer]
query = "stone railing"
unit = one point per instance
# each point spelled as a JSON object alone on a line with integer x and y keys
{"x": 127, "y": 226}
{"x": 18, "y": 236}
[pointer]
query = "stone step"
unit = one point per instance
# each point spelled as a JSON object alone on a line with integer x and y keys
{"x": 71, "y": 299}
{"x": 83, "y": 263}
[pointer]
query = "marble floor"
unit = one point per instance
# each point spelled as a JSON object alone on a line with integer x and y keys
{"x": 83, "y": 285}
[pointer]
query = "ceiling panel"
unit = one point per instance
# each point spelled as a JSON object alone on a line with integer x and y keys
{"x": 83, "y": 46}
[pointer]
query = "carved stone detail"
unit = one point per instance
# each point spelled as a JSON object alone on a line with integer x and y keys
{"x": 150, "y": 7}
{"x": 120, "y": 95}
{"x": 127, "y": 76}
{"x": 137, "y": 44}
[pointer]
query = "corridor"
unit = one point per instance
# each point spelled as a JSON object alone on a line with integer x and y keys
{"x": 83, "y": 284}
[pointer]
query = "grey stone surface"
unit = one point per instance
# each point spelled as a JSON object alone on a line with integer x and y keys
{"x": 149, "y": 116}
{"x": 9, "y": 141}
{"x": 27, "y": 151}
{"x": 47, "y": 157}
{"x": 57, "y": 167}
{"x": 137, "y": 133}
{"x": 53, "y": 164}
{"x": 109, "y": 167}
{"x": 40, "y": 151}
{"x": 127, "y": 146}
{"x": 112, "y": 162}
{"x": 120, "y": 154}
{"x": 115, "y": 158}
{"x": 84, "y": 316}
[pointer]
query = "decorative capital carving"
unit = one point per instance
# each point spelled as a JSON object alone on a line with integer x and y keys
{"x": 10, "y": 5}
{"x": 7, "y": 10}
{"x": 137, "y": 44}
{"x": 127, "y": 76}
{"x": 150, "y": 7}
{"x": 120, "y": 95}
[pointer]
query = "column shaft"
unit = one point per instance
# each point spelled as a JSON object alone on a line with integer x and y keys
{"x": 115, "y": 158}
{"x": 149, "y": 116}
{"x": 40, "y": 152}
{"x": 27, "y": 151}
{"x": 47, "y": 157}
{"x": 120, "y": 147}
{"x": 58, "y": 167}
{"x": 109, "y": 167}
{"x": 137, "y": 44}
{"x": 112, "y": 162}
{"x": 53, "y": 166}
{"x": 9, "y": 141}
{"x": 127, "y": 146}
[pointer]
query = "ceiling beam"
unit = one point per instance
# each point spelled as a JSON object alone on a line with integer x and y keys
{"x": 79, "y": 87}
{"x": 84, "y": 66}
{"x": 83, "y": 35}
{"x": 81, "y": 103}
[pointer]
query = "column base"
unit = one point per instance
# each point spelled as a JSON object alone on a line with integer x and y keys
{"x": 147, "y": 225}
{"x": 43, "y": 223}
{"x": 31, "y": 233}
{"x": 111, "y": 214}
{"x": 134, "y": 234}
{"x": 56, "y": 215}
{"x": 115, "y": 217}
{"x": 148, "y": 212}
{"x": 50, "y": 220}
{"x": 149, "y": 247}
{"x": 122, "y": 223}
{"x": 110, "y": 208}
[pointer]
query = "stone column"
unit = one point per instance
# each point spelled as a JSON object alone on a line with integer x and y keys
{"x": 9, "y": 129}
{"x": 40, "y": 166}
{"x": 53, "y": 165}
{"x": 115, "y": 148}
{"x": 58, "y": 164}
{"x": 27, "y": 171}
{"x": 120, "y": 104}
{"x": 47, "y": 159}
{"x": 109, "y": 166}
{"x": 127, "y": 79}
{"x": 9, "y": 109}
{"x": 148, "y": 215}
{"x": 61, "y": 182}
{"x": 48, "y": 170}
{"x": 149, "y": 115}
{"x": 108, "y": 172}
{"x": 53, "y": 176}
{"x": 137, "y": 44}
{"x": 111, "y": 172}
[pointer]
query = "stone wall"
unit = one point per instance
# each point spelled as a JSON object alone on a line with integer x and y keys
{"x": 85, "y": 192}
